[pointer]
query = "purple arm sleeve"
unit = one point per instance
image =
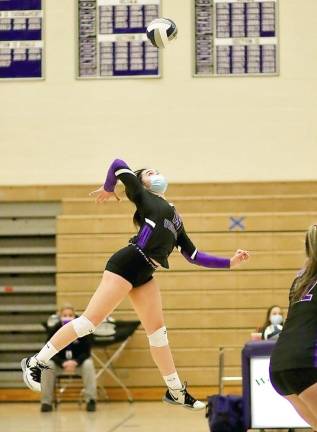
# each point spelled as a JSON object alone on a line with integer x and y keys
{"x": 111, "y": 179}
{"x": 209, "y": 261}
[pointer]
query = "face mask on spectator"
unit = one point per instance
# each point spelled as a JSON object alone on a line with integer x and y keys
{"x": 276, "y": 319}
{"x": 67, "y": 315}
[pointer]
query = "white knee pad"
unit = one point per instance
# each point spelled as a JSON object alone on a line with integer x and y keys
{"x": 159, "y": 338}
{"x": 83, "y": 326}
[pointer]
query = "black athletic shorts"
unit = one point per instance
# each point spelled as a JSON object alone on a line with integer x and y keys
{"x": 131, "y": 263}
{"x": 293, "y": 381}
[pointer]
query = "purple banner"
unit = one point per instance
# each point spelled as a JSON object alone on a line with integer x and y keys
{"x": 10, "y": 5}
{"x": 21, "y": 44}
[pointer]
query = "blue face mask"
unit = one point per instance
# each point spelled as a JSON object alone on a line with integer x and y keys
{"x": 158, "y": 183}
{"x": 66, "y": 320}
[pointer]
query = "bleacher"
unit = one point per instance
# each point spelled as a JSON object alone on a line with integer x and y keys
{"x": 27, "y": 276}
{"x": 27, "y": 281}
{"x": 204, "y": 309}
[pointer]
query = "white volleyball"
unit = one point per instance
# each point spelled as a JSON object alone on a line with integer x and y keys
{"x": 161, "y": 31}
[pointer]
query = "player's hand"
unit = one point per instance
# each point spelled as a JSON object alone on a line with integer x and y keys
{"x": 239, "y": 257}
{"x": 101, "y": 195}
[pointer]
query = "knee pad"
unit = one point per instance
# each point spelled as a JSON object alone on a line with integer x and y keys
{"x": 159, "y": 338}
{"x": 83, "y": 326}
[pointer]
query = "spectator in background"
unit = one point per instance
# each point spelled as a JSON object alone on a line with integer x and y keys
{"x": 75, "y": 358}
{"x": 273, "y": 323}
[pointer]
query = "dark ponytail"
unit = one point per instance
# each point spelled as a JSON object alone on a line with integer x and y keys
{"x": 303, "y": 282}
{"x": 137, "y": 220}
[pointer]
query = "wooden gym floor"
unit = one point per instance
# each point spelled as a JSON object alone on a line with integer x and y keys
{"x": 110, "y": 417}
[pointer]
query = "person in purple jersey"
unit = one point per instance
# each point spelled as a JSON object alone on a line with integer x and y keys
{"x": 130, "y": 272}
{"x": 293, "y": 363}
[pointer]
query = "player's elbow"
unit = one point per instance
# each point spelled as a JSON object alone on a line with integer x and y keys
{"x": 188, "y": 258}
{"x": 118, "y": 162}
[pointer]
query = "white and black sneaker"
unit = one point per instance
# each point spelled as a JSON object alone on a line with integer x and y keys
{"x": 183, "y": 398}
{"x": 32, "y": 370}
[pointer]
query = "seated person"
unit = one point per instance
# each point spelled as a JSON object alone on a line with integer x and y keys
{"x": 73, "y": 359}
{"x": 273, "y": 324}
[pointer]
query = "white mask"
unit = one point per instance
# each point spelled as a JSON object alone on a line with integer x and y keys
{"x": 276, "y": 319}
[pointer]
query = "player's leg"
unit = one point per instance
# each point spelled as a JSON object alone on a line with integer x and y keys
{"x": 109, "y": 294}
{"x": 309, "y": 398}
{"x": 147, "y": 303}
{"x": 111, "y": 291}
{"x": 304, "y": 410}
{"x": 289, "y": 384}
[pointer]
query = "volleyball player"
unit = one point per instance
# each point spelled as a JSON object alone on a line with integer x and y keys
{"x": 130, "y": 272}
{"x": 293, "y": 366}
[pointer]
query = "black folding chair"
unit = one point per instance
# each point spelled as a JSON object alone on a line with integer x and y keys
{"x": 113, "y": 332}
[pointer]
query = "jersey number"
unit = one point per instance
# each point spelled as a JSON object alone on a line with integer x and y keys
{"x": 308, "y": 296}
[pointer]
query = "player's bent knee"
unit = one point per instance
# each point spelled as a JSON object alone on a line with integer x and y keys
{"x": 159, "y": 338}
{"x": 83, "y": 326}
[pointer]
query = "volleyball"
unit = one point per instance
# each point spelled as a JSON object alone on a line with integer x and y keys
{"x": 161, "y": 31}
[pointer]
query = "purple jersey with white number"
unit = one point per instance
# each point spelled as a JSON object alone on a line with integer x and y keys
{"x": 297, "y": 344}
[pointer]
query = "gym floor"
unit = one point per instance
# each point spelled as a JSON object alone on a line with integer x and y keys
{"x": 110, "y": 417}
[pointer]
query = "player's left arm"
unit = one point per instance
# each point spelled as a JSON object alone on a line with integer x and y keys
{"x": 194, "y": 256}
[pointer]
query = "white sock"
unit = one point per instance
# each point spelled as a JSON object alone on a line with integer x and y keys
{"x": 172, "y": 381}
{"x": 47, "y": 352}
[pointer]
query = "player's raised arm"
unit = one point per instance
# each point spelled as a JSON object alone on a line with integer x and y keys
{"x": 119, "y": 170}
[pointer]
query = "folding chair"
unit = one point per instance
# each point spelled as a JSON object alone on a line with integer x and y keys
{"x": 108, "y": 333}
{"x": 66, "y": 381}
{"x": 222, "y": 377}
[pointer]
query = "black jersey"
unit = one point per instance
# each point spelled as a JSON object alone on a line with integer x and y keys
{"x": 297, "y": 343}
{"x": 161, "y": 227}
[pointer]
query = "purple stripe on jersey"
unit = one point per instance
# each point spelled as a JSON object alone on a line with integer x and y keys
{"x": 111, "y": 179}
{"x": 208, "y": 261}
{"x": 144, "y": 236}
{"x": 315, "y": 356}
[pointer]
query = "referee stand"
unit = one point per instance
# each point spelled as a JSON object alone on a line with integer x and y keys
{"x": 224, "y": 379}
